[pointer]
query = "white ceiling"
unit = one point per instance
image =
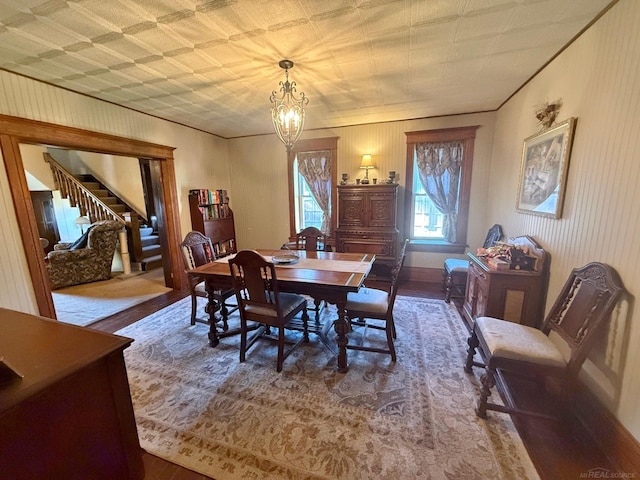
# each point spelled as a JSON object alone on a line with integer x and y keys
{"x": 212, "y": 64}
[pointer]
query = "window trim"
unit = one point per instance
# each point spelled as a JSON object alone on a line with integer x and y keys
{"x": 313, "y": 144}
{"x": 466, "y": 135}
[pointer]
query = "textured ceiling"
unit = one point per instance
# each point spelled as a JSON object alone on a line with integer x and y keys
{"x": 212, "y": 65}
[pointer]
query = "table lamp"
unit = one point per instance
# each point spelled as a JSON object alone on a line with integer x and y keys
{"x": 366, "y": 164}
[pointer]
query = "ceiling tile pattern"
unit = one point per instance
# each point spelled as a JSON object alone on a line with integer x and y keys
{"x": 212, "y": 64}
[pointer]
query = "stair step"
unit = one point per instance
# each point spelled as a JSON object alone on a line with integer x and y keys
{"x": 100, "y": 193}
{"x": 118, "y": 208}
{"x": 150, "y": 240}
{"x": 91, "y": 185}
{"x": 152, "y": 262}
{"x": 151, "y": 251}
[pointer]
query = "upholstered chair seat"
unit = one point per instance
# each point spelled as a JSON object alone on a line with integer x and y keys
{"x": 519, "y": 342}
{"x": 369, "y": 299}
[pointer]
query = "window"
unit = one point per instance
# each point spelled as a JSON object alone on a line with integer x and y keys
{"x": 439, "y": 165}
{"x": 312, "y": 185}
{"x": 307, "y": 211}
{"x": 427, "y": 219}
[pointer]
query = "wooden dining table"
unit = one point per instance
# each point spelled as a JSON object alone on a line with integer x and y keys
{"x": 325, "y": 276}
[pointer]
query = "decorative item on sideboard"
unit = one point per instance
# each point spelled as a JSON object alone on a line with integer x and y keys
{"x": 367, "y": 164}
{"x": 345, "y": 177}
{"x": 392, "y": 176}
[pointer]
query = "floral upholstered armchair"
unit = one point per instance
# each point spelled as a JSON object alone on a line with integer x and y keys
{"x": 88, "y": 259}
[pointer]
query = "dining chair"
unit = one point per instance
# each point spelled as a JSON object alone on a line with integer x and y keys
{"x": 312, "y": 239}
{"x": 197, "y": 250}
{"x": 260, "y": 300}
{"x": 454, "y": 273}
{"x": 554, "y": 353}
{"x": 377, "y": 306}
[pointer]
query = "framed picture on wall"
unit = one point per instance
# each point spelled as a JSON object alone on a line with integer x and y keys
{"x": 543, "y": 175}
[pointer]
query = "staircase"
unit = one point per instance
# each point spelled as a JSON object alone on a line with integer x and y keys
{"x": 151, "y": 250}
{"x": 97, "y": 202}
{"x": 150, "y": 255}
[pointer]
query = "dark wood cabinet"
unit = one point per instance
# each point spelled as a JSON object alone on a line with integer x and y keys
{"x": 220, "y": 228}
{"x": 367, "y": 221}
{"x": 514, "y": 295}
{"x": 71, "y": 415}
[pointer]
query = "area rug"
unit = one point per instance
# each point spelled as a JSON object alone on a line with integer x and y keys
{"x": 87, "y": 303}
{"x": 200, "y": 408}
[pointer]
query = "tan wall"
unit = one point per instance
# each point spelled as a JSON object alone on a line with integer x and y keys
{"x": 200, "y": 159}
{"x": 259, "y": 176}
{"x": 597, "y": 79}
{"x": 120, "y": 174}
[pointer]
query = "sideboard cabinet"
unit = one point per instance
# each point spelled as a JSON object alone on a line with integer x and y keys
{"x": 514, "y": 295}
{"x": 367, "y": 221}
{"x": 70, "y": 415}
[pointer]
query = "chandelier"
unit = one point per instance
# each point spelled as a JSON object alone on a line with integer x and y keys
{"x": 287, "y": 111}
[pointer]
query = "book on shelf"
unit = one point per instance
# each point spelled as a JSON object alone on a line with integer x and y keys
{"x": 208, "y": 197}
{"x": 224, "y": 248}
{"x": 212, "y": 203}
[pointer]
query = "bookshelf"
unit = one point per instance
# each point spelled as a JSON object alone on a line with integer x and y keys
{"x": 211, "y": 216}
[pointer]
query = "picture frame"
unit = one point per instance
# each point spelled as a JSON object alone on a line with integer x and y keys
{"x": 543, "y": 174}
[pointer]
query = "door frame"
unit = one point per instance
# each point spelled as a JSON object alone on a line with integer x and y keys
{"x": 16, "y": 130}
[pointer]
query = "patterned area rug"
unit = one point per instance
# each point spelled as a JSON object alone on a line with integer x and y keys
{"x": 200, "y": 408}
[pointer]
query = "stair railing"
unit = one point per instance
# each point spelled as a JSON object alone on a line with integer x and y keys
{"x": 79, "y": 196}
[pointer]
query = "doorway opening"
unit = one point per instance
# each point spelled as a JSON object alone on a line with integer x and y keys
{"x": 15, "y": 131}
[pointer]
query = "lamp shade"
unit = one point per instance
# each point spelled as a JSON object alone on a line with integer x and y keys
{"x": 366, "y": 162}
{"x": 82, "y": 221}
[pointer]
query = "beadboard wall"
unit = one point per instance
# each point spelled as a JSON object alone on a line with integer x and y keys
{"x": 597, "y": 79}
{"x": 200, "y": 159}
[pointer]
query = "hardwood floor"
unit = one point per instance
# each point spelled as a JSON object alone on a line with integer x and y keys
{"x": 560, "y": 450}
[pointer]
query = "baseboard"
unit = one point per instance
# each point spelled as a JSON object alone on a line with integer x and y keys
{"x": 418, "y": 274}
{"x": 607, "y": 432}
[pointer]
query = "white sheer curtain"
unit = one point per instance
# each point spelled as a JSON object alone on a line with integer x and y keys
{"x": 315, "y": 167}
{"x": 439, "y": 166}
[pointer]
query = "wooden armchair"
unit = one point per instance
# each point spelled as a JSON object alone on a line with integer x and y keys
{"x": 377, "y": 305}
{"x": 558, "y": 350}
{"x": 197, "y": 250}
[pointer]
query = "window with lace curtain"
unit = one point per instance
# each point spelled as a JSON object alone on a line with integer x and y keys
{"x": 307, "y": 211}
{"x": 438, "y": 186}
{"x": 312, "y": 185}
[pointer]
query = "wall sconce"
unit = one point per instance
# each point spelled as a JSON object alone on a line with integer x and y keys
{"x": 82, "y": 221}
{"x": 548, "y": 112}
{"x": 367, "y": 164}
